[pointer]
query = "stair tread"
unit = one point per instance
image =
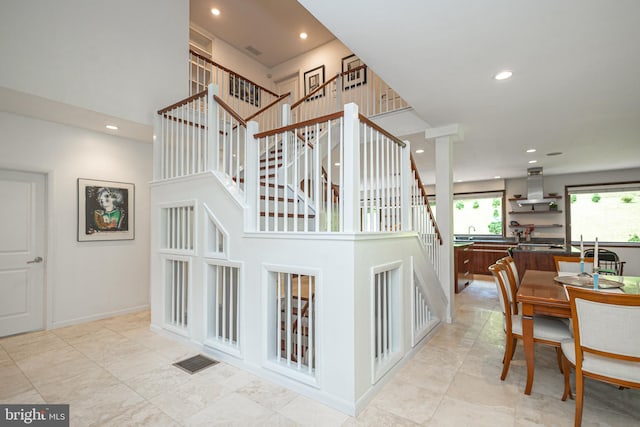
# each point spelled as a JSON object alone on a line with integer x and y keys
{"x": 279, "y": 199}
{"x": 289, "y": 215}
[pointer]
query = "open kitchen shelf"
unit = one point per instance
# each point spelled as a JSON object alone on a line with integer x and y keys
{"x": 536, "y": 226}
{"x": 513, "y": 199}
{"x": 533, "y": 212}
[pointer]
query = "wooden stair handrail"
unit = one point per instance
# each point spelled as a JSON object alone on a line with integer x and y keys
{"x": 294, "y": 126}
{"x": 184, "y": 101}
{"x": 426, "y": 200}
{"x": 319, "y": 88}
{"x": 327, "y": 83}
{"x": 382, "y": 131}
{"x": 263, "y": 109}
{"x": 230, "y": 110}
{"x": 205, "y": 59}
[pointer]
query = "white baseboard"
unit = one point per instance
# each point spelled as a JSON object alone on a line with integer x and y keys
{"x": 78, "y": 320}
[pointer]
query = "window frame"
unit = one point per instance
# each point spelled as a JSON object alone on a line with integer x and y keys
{"x": 597, "y": 187}
{"x": 482, "y": 194}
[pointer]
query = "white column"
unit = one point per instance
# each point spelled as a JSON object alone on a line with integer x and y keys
{"x": 351, "y": 169}
{"x": 213, "y": 130}
{"x": 405, "y": 183}
{"x": 444, "y": 138}
{"x": 157, "y": 147}
{"x": 251, "y": 178}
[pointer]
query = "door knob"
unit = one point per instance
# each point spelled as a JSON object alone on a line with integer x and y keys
{"x": 36, "y": 259}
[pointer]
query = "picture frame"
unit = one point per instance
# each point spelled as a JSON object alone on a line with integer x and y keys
{"x": 313, "y": 79}
{"x": 244, "y": 90}
{"x": 105, "y": 210}
{"x": 355, "y": 78}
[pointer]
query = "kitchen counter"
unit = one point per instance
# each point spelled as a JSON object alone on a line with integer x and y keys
{"x": 544, "y": 248}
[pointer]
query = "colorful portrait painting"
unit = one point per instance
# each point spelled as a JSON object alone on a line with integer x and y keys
{"x": 105, "y": 210}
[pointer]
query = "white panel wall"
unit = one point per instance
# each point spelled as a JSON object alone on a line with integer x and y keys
{"x": 122, "y": 58}
{"x": 85, "y": 280}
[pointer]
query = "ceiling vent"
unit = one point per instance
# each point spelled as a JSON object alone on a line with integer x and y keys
{"x": 253, "y": 50}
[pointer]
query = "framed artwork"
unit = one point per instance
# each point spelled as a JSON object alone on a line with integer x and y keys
{"x": 354, "y": 78}
{"x": 313, "y": 79}
{"x": 105, "y": 210}
{"x": 244, "y": 90}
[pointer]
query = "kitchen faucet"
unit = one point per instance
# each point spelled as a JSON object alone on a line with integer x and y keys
{"x": 469, "y": 229}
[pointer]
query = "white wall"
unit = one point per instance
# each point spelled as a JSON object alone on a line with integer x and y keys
{"x": 330, "y": 55}
{"x": 122, "y": 58}
{"x": 84, "y": 280}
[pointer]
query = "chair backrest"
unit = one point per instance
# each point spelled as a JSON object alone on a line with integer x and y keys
{"x": 608, "y": 261}
{"x": 603, "y": 255}
{"x": 513, "y": 280}
{"x": 602, "y": 324}
{"x": 501, "y": 278}
{"x": 571, "y": 264}
{"x": 511, "y": 265}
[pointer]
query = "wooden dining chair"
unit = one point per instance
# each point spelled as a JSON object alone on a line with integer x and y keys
{"x": 605, "y": 345}
{"x": 546, "y": 330}
{"x": 514, "y": 279}
{"x": 571, "y": 264}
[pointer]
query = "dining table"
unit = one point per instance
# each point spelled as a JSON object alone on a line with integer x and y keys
{"x": 541, "y": 292}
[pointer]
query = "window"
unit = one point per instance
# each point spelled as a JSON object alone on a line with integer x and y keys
{"x": 478, "y": 213}
{"x": 609, "y": 212}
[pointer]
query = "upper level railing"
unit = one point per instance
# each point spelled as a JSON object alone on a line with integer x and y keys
{"x": 251, "y": 101}
{"x": 247, "y": 98}
{"x": 360, "y": 86}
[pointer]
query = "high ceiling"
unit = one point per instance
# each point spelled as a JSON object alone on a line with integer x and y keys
{"x": 269, "y": 27}
{"x": 576, "y": 64}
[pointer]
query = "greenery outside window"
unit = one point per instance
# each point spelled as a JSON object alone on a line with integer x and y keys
{"x": 609, "y": 212}
{"x": 478, "y": 214}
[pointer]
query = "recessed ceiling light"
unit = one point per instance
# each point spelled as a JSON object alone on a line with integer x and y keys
{"x": 503, "y": 75}
{"x": 336, "y": 164}
{"x": 533, "y": 161}
{"x": 496, "y": 177}
{"x": 303, "y": 36}
{"x": 531, "y": 150}
{"x": 215, "y": 11}
{"x": 419, "y": 151}
{"x": 112, "y": 127}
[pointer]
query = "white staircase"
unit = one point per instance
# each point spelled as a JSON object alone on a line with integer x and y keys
{"x": 309, "y": 261}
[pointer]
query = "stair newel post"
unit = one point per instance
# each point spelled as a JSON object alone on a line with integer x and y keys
{"x": 252, "y": 162}
{"x": 339, "y": 92}
{"x": 213, "y": 129}
{"x": 286, "y": 120}
{"x": 158, "y": 141}
{"x": 351, "y": 169}
{"x": 405, "y": 184}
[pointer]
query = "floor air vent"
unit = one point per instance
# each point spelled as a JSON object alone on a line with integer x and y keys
{"x": 195, "y": 363}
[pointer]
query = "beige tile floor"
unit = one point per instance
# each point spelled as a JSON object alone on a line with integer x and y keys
{"x": 115, "y": 372}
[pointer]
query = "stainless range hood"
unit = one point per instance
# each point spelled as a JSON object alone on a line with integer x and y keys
{"x": 535, "y": 189}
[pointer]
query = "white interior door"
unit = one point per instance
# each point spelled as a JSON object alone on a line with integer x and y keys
{"x": 22, "y": 231}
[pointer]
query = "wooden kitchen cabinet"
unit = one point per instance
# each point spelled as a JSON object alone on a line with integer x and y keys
{"x": 538, "y": 260}
{"x": 486, "y": 254}
{"x": 463, "y": 256}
